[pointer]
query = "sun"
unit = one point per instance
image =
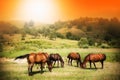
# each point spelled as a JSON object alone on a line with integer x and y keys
{"x": 38, "y": 10}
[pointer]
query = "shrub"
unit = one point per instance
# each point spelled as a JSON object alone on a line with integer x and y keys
{"x": 104, "y": 45}
{"x": 82, "y": 42}
{"x": 85, "y": 46}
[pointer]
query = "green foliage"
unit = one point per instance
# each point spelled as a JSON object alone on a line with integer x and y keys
{"x": 71, "y": 36}
{"x": 83, "y": 43}
{"x": 104, "y": 45}
{"x": 115, "y": 43}
{"x": 2, "y": 39}
{"x": 23, "y": 36}
{"x": 91, "y": 41}
{"x": 1, "y": 47}
{"x": 59, "y": 35}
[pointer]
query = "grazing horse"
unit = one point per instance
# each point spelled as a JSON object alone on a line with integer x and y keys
{"x": 92, "y": 58}
{"x": 74, "y": 56}
{"x": 57, "y": 57}
{"x": 39, "y": 58}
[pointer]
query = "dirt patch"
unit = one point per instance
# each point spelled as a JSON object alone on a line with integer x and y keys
{"x": 2, "y": 60}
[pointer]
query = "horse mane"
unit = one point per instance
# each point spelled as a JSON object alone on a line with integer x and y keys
{"x": 86, "y": 59}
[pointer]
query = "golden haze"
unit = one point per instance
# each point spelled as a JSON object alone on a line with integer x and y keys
{"x": 53, "y": 10}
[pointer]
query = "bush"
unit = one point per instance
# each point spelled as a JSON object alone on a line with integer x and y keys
{"x": 83, "y": 42}
{"x": 85, "y": 46}
{"x": 60, "y": 35}
{"x": 104, "y": 45}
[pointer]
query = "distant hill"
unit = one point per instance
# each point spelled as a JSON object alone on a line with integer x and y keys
{"x": 17, "y": 23}
{"x": 72, "y": 30}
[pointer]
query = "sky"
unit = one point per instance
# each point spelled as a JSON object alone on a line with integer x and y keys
{"x": 50, "y": 11}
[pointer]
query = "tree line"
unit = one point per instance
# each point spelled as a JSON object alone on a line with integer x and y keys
{"x": 87, "y": 31}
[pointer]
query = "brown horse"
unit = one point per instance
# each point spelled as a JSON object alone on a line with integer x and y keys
{"x": 39, "y": 58}
{"x": 57, "y": 57}
{"x": 74, "y": 56}
{"x": 92, "y": 58}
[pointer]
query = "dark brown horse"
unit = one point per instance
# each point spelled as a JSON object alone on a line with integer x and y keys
{"x": 74, "y": 56}
{"x": 57, "y": 57}
{"x": 92, "y": 58}
{"x": 36, "y": 58}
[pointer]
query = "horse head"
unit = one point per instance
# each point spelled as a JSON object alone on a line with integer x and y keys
{"x": 49, "y": 63}
{"x": 82, "y": 65}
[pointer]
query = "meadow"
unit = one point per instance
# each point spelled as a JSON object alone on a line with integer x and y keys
{"x": 14, "y": 71}
{"x": 10, "y": 70}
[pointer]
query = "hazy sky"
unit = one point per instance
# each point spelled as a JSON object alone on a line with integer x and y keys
{"x": 49, "y": 11}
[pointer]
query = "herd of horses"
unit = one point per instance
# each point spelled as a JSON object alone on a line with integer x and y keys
{"x": 42, "y": 58}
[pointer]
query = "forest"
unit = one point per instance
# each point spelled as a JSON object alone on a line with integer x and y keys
{"x": 88, "y": 32}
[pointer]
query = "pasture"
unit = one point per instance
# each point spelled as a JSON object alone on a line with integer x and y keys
{"x": 10, "y": 70}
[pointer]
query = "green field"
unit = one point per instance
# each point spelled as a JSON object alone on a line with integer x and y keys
{"x": 113, "y": 55}
{"x": 10, "y": 70}
{"x": 14, "y": 71}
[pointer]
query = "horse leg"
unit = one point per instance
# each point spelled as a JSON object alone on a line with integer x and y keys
{"x": 44, "y": 66}
{"x": 90, "y": 64}
{"x": 68, "y": 61}
{"x": 62, "y": 63}
{"x": 54, "y": 63}
{"x": 58, "y": 63}
{"x": 94, "y": 64}
{"x": 30, "y": 66}
{"x": 102, "y": 64}
{"x": 71, "y": 62}
{"x": 77, "y": 62}
{"x": 41, "y": 64}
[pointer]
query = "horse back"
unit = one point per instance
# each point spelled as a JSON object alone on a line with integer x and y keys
{"x": 55, "y": 56}
{"x": 37, "y": 57}
{"x": 97, "y": 57}
{"x": 74, "y": 55}
{"x": 41, "y": 57}
{"x": 31, "y": 58}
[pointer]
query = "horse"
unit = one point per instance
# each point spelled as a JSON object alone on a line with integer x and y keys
{"x": 92, "y": 58}
{"x": 74, "y": 56}
{"x": 57, "y": 57}
{"x": 36, "y": 58}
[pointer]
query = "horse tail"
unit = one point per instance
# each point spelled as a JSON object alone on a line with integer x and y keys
{"x": 22, "y": 56}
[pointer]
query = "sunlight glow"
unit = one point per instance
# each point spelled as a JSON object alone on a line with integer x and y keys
{"x": 38, "y": 10}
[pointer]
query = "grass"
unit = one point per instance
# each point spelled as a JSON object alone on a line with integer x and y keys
{"x": 111, "y": 71}
{"x": 113, "y": 55}
{"x": 15, "y": 71}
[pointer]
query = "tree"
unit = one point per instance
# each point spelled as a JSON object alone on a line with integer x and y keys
{"x": 59, "y": 35}
{"x": 69, "y": 35}
{"x": 52, "y": 36}
{"x": 1, "y": 42}
{"x": 83, "y": 43}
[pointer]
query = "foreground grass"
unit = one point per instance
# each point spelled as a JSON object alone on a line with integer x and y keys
{"x": 15, "y": 71}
